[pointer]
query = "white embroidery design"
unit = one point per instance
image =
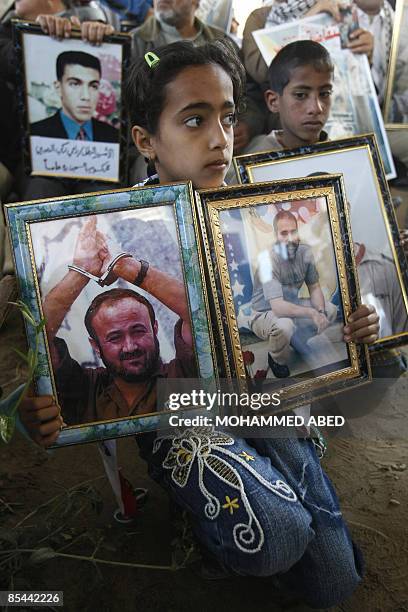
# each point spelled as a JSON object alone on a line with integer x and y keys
{"x": 198, "y": 444}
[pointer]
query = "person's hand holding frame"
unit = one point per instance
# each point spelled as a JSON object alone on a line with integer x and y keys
{"x": 62, "y": 27}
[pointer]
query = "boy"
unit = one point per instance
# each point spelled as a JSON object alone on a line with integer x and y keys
{"x": 300, "y": 90}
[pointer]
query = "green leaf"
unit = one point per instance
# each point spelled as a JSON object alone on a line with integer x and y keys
{"x": 40, "y": 326}
{"x": 28, "y": 318}
{"x": 42, "y": 554}
{"x": 21, "y": 306}
{"x": 31, "y": 358}
{"x": 20, "y": 354}
{"x": 7, "y": 425}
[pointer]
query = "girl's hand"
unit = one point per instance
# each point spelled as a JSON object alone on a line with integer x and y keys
{"x": 362, "y": 325}
{"x": 42, "y": 419}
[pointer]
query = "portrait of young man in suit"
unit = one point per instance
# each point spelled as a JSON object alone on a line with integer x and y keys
{"x": 77, "y": 84}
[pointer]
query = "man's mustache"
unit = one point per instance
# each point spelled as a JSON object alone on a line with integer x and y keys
{"x": 287, "y": 250}
{"x": 136, "y": 353}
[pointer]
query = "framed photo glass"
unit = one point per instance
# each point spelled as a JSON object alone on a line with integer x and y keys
{"x": 117, "y": 277}
{"x": 71, "y": 104}
{"x": 283, "y": 279}
{"x": 381, "y": 264}
{"x": 396, "y": 96}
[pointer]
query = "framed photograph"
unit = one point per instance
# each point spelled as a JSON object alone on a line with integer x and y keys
{"x": 381, "y": 264}
{"x": 355, "y": 109}
{"x": 108, "y": 345}
{"x": 396, "y": 94}
{"x": 283, "y": 278}
{"x": 71, "y": 104}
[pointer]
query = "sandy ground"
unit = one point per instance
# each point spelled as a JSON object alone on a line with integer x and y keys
{"x": 370, "y": 475}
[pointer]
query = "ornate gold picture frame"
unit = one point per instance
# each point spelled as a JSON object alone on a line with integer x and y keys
{"x": 298, "y": 348}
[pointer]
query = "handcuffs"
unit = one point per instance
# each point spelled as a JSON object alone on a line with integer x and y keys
{"x": 102, "y": 280}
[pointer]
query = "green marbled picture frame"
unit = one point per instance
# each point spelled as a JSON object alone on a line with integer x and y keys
{"x": 39, "y": 233}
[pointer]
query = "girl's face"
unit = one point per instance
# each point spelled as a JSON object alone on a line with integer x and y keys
{"x": 194, "y": 139}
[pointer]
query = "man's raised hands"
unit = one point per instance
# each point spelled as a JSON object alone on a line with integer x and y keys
{"x": 91, "y": 250}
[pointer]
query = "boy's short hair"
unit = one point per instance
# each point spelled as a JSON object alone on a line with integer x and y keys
{"x": 145, "y": 90}
{"x": 294, "y": 55}
{"x": 80, "y": 58}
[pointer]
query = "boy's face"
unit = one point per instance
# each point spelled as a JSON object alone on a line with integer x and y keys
{"x": 303, "y": 106}
{"x": 194, "y": 138}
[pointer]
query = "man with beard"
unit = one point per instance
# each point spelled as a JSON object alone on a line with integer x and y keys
{"x": 122, "y": 330}
{"x": 280, "y": 315}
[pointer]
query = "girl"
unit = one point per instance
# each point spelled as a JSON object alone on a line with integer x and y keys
{"x": 260, "y": 506}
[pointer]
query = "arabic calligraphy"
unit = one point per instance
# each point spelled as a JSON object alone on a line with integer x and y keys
{"x": 72, "y": 158}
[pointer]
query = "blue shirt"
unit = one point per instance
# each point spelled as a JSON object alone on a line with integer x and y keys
{"x": 72, "y": 127}
{"x": 130, "y": 8}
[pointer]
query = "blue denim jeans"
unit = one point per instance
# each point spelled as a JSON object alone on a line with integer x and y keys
{"x": 262, "y": 507}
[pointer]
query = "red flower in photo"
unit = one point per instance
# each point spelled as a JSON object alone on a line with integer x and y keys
{"x": 107, "y": 99}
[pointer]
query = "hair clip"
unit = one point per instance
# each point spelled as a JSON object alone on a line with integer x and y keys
{"x": 151, "y": 59}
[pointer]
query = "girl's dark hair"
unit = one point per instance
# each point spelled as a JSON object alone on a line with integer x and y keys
{"x": 145, "y": 89}
{"x": 294, "y": 55}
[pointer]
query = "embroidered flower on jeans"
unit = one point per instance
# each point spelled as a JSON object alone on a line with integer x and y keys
{"x": 231, "y": 504}
{"x": 198, "y": 445}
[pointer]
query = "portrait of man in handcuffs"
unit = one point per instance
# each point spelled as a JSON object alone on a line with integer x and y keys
{"x": 122, "y": 328}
